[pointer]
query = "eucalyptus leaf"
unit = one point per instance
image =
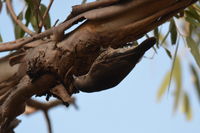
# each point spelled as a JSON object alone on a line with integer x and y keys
{"x": 194, "y": 49}
{"x": 192, "y": 21}
{"x": 1, "y": 40}
{"x": 28, "y": 15}
{"x": 18, "y": 30}
{"x": 178, "y": 80}
{"x": 186, "y": 107}
{"x": 34, "y": 23}
{"x": 168, "y": 53}
{"x": 1, "y": 5}
{"x": 163, "y": 87}
{"x": 196, "y": 80}
{"x": 156, "y": 34}
{"x": 47, "y": 21}
{"x": 173, "y": 31}
{"x": 192, "y": 13}
{"x": 84, "y": 1}
{"x": 178, "y": 73}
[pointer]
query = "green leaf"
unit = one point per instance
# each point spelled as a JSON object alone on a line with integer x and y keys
{"x": 156, "y": 34}
{"x": 173, "y": 31}
{"x": 168, "y": 53}
{"x": 192, "y": 21}
{"x": 163, "y": 87}
{"x": 194, "y": 49}
{"x": 196, "y": 80}
{"x": 18, "y": 31}
{"x": 0, "y": 6}
{"x": 186, "y": 107}
{"x": 34, "y": 23}
{"x": 193, "y": 14}
{"x": 28, "y": 15}
{"x": 84, "y": 1}
{"x": 177, "y": 73}
{"x": 30, "y": 3}
{"x": 43, "y": 8}
{"x": 178, "y": 80}
{"x": 1, "y": 40}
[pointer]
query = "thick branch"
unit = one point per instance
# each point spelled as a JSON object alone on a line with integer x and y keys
{"x": 78, "y": 9}
{"x": 113, "y": 26}
{"x": 25, "y": 89}
{"x": 105, "y": 14}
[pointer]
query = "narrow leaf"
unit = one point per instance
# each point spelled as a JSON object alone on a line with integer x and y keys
{"x": 1, "y": 40}
{"x": 47, "y": 21}
{"x": 156, "y": 34}
{"x": 192, "y": 13}
{"x": 28, "y": 15}
{"x": 18, "y": 31}
{"x": 177, "y": 73}
{"x": 34, "y": 23}
{"x": 0, "y": 6}
{"x": 173, "y": 32}
{"x": 194, "y": 49}
{"x": 168, "y": 53}
{"x": 84, "y": 1}
{"x": 163, "y": 87}
{"x": 192, "y": 21}
{"x": 186, "y": 107}
{"x": 196, "y": 80}
{"x": 178, "y": 80}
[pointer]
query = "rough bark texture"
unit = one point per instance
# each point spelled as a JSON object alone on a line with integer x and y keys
{"x": 44, "y": 63}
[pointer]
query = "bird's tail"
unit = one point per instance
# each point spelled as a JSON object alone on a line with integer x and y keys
{"x": 145, "y": 45}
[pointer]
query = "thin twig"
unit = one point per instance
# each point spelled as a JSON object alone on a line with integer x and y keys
{"x": 42, "y": 106}
{"x": 15, "y": 18}
{"x": 46, "y": 115}
{"x": 55, "y": 23}
{"x": 63, "y": 26}
{"x": 36, "y": 11}
{"x": 46, "y": 13}
{"x": 38, "y": 14}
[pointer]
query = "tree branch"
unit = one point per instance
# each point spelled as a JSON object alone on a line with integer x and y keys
{"x": 17, "y": 98}
{"x": 48, "y": 121}
{"x": 46, "y": 13}
{"x": 37, "y": 12}
{"x": 15, "y": 18}
{"x": 78, "y": 9}
{"x": 42, "y": 106}
{"x": 82, "y": 46}
{"x": 60, "y": 28}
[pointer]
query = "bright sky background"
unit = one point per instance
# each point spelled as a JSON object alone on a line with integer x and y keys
{"x": 131, "y": 107}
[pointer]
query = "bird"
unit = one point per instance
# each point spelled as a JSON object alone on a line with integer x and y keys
{"x": 111, "y": 67}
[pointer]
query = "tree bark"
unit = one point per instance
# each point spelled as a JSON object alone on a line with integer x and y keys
{"x": 45, "y": 61}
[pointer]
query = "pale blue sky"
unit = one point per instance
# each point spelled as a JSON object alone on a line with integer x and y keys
{"x": 130, "y": 107}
